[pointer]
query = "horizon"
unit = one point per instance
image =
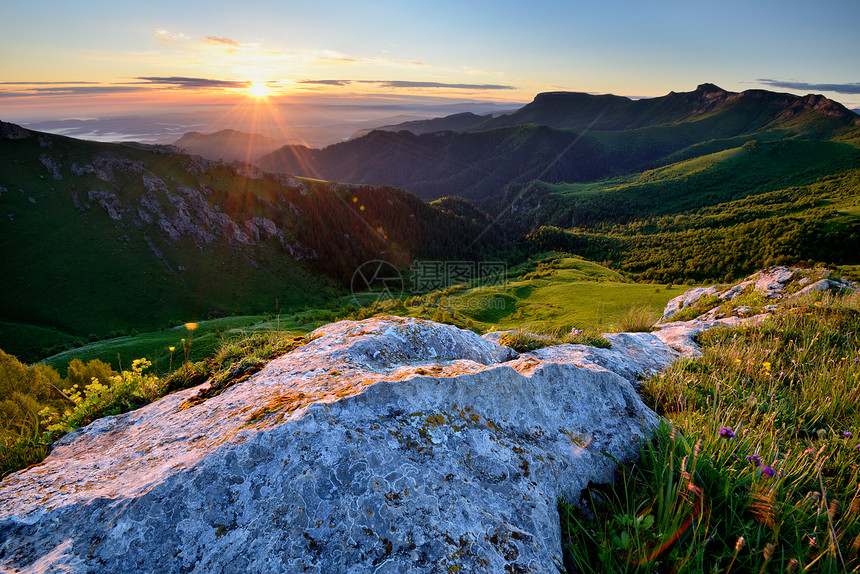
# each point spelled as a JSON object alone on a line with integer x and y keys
{"x": 336, "y": 63}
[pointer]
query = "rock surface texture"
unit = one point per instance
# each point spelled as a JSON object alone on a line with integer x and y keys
{"x": 385, "y": 445}
{"x": 774, "y": 284}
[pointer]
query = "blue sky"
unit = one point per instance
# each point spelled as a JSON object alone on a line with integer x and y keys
{"x": 118, "y": 55}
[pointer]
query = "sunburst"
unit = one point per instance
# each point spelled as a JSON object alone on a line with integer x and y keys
{"x": 259, "y": 90}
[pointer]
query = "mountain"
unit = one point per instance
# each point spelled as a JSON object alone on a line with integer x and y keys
{"x": 100, "y": 237}
{"x": 455, "y": 123}
{"x": 229, "y": 145}
{"x": 569, "y": 137}
{"x": 579, "y": 111}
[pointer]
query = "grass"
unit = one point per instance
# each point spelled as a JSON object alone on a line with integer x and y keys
{"x": 524, "y": 341}
{"x": 638, "y": 319}
{"x": 756, "y": 469}
{"x": 55, "y": 411}
{"x": 556, "y": 293}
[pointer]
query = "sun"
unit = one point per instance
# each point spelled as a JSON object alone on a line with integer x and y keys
{"x": 259, "y": 90}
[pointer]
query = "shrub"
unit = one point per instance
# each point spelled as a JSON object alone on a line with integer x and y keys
{"x": 121, "y": 393}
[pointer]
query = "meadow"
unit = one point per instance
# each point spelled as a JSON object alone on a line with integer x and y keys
{"x": 755, "y": 468}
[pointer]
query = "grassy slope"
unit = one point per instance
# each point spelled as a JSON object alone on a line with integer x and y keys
{"x": 555, "y": 293}
{"x": 569, "y": 293}
{"x": 73, "y": 273}
{"x": 776, "y": 494}
{"x": 551, "y": 294}
{"x": 755, "y": 167}
{"x": 715, "y": 217}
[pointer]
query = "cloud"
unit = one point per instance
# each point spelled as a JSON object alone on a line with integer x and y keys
{"x": 193, "y": 83}
{"x": 409, "y": 84}
{"x": 67, "y": 91}
{"x": 216, "y": 41}
{"x": 326, "y": 82}
{"x": 165, "y": 38}
{"x": 804, "y": 86}
{"x": 45, "y": 83}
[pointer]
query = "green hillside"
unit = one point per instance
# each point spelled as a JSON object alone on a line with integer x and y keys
{"x": 817, "y": 222}
{"x": 100, "y": 239}
{"x": 753, "y": 168}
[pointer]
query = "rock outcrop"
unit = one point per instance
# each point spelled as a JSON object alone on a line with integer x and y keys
{"x": 773, "y": 284}
{"x": 385, "y": 445}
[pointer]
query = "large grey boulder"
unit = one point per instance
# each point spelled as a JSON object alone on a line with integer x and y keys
{"x": 385, "y": 445}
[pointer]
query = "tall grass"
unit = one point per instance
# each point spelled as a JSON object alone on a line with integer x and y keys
{"x": 235, "y": 360}
{"x": 756, "y": 469}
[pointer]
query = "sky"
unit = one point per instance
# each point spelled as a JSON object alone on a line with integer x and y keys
{"x": 95, "y": 59}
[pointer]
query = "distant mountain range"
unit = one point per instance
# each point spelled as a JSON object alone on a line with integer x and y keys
{"x": 228, "y": 145}
{"x": 565, "y": 137}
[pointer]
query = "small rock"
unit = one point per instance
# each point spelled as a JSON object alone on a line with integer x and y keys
{"x": 736, "y": 290}
{"x": 685, "y": 300}
{"x": 771, "y": 282}
{"x": 824, "y": 285}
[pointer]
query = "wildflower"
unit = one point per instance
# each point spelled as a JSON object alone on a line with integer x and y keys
{"x": 171, "y": 349}
{"x": 755, "y": 459}
{"x": 847, "y": 434}
{"x": 767, "y": 471}
{"x": 191, "y": 326}
{"x": 766, "y": 366}
{"x": 727, "y": 432}
{"x": 858, "y": 446}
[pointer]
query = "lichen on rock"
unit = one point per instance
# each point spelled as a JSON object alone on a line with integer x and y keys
{"x": 385, "y": 445}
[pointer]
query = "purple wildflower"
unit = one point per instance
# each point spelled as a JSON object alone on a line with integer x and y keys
{"x": 754, "y": 458}
{"x": 857, "y": 447}
{"x": 767, "y": 471}
{"x": 847, "y": 434}
{"x": 727, "y": 432}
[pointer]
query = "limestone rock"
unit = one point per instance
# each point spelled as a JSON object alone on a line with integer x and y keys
{"x": 385, "y": 445}
{"x": 681, "y": 335}
{"x": 633, "y": 356}
{"x": 685, "y": 300}
{"x": 825, "y": 285}
{"x": 771, "y": 282}
{"x": 736, "y": 290}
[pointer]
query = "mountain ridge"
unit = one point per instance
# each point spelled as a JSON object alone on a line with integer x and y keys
{"x": 559, "y": 109}
{"x": 228, "y": 145}
{"x": 566, "y": 137}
